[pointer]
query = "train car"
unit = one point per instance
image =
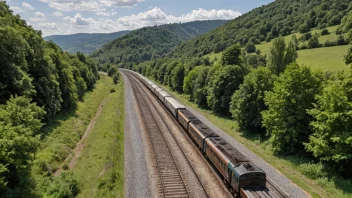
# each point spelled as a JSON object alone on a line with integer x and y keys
{"x": 157, "y": 90}
{"x": 173, "y": 106}
{"x": 236, "y": 169}
{"x": 199, "y": 132}
{"x": 154, "y": 87}
{"x": 162, "y": 95}
{"x": 185, "y": 117}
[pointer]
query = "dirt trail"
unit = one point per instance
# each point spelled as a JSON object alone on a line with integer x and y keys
{"x": 73, "y": 157}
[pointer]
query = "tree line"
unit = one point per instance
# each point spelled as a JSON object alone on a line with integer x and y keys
{"x": 37, "y": 81}
{"x": 300, "y": 111}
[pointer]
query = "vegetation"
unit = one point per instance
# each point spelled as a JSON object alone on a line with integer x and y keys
{"x": 150, "y": 43}
{"x": 99, "y": 169}
{"x": 82, "y": 42}
{"x": 266, "y": 23}
{"x": 38, "y": 81}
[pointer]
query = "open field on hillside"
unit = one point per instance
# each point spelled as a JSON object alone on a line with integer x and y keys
{"x": 291, "y": 167}
{"x": 99, "y": 170}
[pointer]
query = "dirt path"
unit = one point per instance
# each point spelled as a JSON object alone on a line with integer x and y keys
{"x": 73, "y": 157}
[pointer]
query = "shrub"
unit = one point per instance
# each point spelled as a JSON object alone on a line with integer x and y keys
{"x": 303, "y": 28}
{"x": 250, "y": 48}
{"x": 324, "y": 32}
{"x": 313, "y": 171}
{"x": 63, "y": 186}
{"x": 340, "y": 40}
{"x": 329, "y": 43}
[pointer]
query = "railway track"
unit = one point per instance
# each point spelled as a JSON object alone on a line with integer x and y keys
{"x": 171, "y": 182}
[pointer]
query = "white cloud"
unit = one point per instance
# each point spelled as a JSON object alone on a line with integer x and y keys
{"x": 89, "y": 5}
{"x": 48, "y": 26}
{"x": 106, "y": 14}
{"x": 39, "y": 14}
{"x": 16, "y": 9}
{"x": 79, "y": 20}
{"x": 58, "y": 14}
{"x": 26, "y": 6}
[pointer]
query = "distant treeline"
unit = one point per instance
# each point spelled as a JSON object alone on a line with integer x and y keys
{"x": 37, "y": 81}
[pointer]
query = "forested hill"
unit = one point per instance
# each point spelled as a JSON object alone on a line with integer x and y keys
{"x": 267, "y": 22}
{"x": 152, "y": 42}
{"x": 82, "y": 42}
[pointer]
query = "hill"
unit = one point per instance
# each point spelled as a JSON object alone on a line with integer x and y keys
{"x": 82, "y": 42}
{"x": 267, "y": 22}
{"x": 152, "y": 42}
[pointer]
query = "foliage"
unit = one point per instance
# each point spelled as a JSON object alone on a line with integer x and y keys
{"x": 313, "y": 42}
{"x": 232, "y": 56}
{"x": 280, "y": 55}
{"x": 20, "y": 121}
{"x": 248, "y": 102}
{"x": 313, "y": 171}
{"x": 269, "y": 21}
{"x": 64, "y": 185}
{"x": 150, "y": 43}
{"x": 177, "y": 75}
{"x": 221, "y": 87}
{"x": 250, "y": 48}
{"x": 332, "y": 137}
{"x": 286, "y": 119}
{"x": 195, "y": 85}
{"x": 324, "y": 32}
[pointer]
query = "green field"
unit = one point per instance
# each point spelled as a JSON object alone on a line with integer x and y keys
{"x": 289, "y": 166}
{"x": 327, "y": 58}
{"x": 99, "y": 169}
{"x": 64, "y": 131}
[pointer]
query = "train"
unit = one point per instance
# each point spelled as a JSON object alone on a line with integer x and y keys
{"x": 235, "y": 169}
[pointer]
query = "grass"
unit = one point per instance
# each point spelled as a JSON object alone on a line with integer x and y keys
{"x": 99, "y": 170}
{"x": 327, "y": 58}
{"x": 290, "y": 166}
{"x": 64, "y": 131}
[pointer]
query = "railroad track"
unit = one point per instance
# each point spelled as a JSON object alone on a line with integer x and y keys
{"x": 171, "y": 182}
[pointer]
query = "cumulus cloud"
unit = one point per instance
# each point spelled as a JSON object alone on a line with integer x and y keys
{"x": 58, "y": 14}
{"x": 79, "y": 20}
{"x": 89, "y": 5}
{"x": 26, "y": 6}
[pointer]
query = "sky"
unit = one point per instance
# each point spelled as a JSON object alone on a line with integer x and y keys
{"x": 60, "y": 17}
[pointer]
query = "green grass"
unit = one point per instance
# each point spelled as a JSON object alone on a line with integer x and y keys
{"x": 64, "y": 131}
{"x": 327, "y": 58}
{"x": 99, "y": 170}
{"x": 289, "y": 166}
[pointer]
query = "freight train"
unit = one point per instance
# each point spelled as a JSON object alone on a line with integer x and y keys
{"x": 236, "y": 170}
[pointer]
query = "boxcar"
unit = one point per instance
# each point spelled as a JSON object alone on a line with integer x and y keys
{"x": 185, "y": 117}
{"x": 199, "y": 132}
{"x": 173, "y": 106}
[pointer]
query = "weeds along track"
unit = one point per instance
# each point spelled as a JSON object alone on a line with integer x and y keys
{"x": 171, "y": 182}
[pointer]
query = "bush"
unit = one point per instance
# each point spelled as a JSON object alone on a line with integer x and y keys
{"x": 324, "y": 32}
{"x": 250, "y": 48}
{"x": 112, "y": 90}
{"x": 303, "y": 28}
{"x": 63, "y": 186}
{"x": 313, "y": 171}
{"x": 329, "y": 43}
{"x": 306, "y": 37}
{"x": 340, "y": 40}
{"x": 303, "y": 46}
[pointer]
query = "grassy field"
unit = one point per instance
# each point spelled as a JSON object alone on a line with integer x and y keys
{"x": 289, "y": 166}
{"x": 62, "y": 133}
{"x": 327, "y": 58}
{"x": 99, "y": 170}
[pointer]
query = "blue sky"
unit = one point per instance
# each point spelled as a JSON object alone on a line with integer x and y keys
{"x": 92, "y": 16}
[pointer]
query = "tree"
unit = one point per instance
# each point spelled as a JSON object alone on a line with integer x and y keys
{"x": 332, "y": 125}
{"x": 232, "y": 56}
{"x": 324, "y": 32}
{"x": 20, "y": 121}
{"x": 224, "y": 83}
{"x": 178, "y": 74}
{"x": 250, "y": 47}
{"x": 313, "y": 42}
{"x": 280, "y": 55}
{"x": 287, "y": 120}
{"x": 116, "y": 78}
{"x": 247, "y": 103}
{"x": 303, "y": 28}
